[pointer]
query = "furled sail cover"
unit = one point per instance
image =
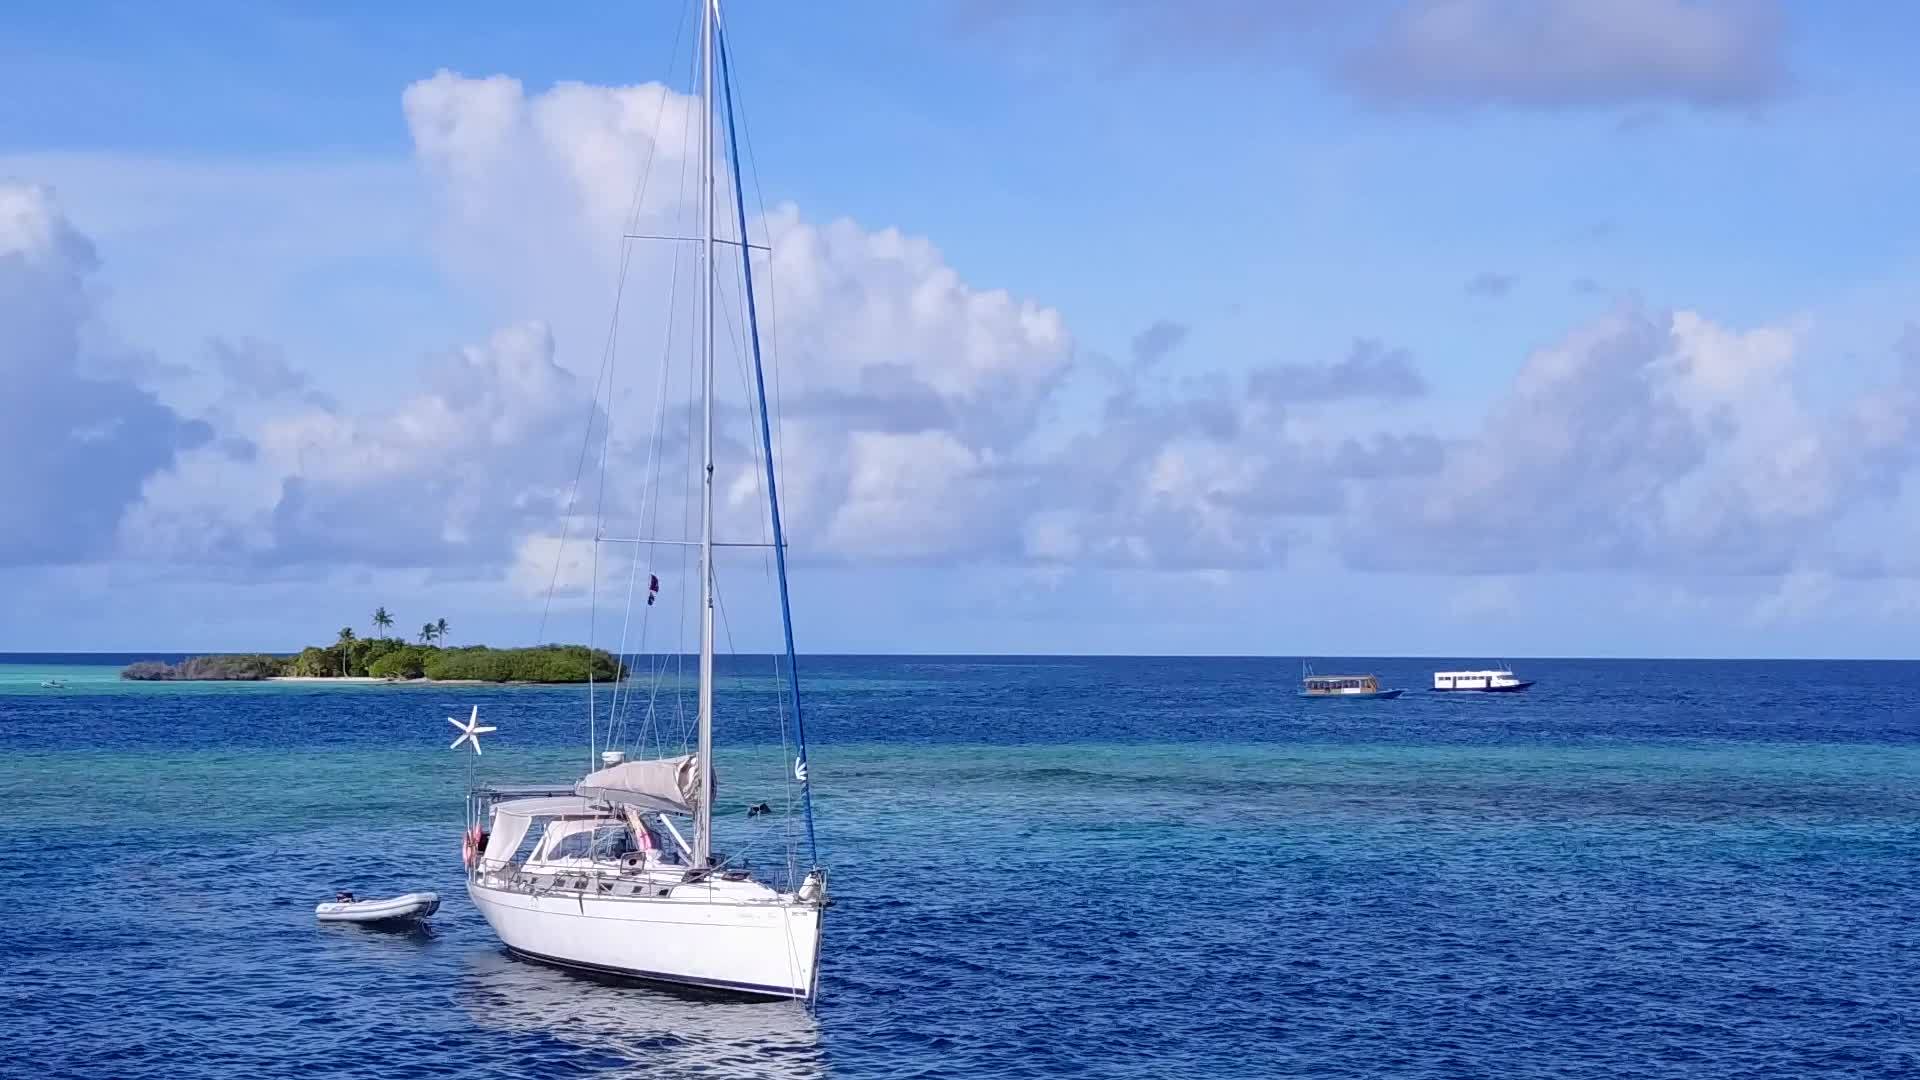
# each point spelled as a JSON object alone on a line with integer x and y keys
{"x": 669, "y": 784}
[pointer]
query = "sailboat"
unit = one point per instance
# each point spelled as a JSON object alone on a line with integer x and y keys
{"x": 620, "y": 876}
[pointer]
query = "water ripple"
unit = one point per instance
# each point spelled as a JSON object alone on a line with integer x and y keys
{"x": 1112, "y": 869}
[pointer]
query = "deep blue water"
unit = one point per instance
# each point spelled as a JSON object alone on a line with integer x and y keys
{"x": 1045, "y": 867}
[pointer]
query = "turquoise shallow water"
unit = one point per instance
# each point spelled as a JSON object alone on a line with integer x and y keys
{"x": 1062, "y": 867}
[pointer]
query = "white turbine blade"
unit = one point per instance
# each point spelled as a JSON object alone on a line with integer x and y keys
{"x": 456, "y": 723}
{"x": 455, "y": 745}
{"x": 475, "y": 718}
{"x": 483, "y": 730}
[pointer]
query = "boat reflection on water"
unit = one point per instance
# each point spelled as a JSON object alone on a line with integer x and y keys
{"x": 662, "y": 1032}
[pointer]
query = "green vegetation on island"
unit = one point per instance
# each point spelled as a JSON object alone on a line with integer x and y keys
{"x": 351, "y": 656}
{"x": 221, "y": 668}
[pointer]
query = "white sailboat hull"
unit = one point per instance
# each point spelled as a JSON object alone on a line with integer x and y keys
{"x": 765, "y": 948}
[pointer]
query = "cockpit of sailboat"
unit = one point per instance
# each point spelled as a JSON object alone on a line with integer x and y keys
{"x": 552, "y": 841}
{"x": 609, "y": 834}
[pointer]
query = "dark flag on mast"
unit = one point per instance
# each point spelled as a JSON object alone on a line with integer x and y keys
{"x": 653, "y": 588}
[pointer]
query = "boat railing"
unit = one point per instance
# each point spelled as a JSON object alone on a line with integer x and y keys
{"x": 603, "y": 877}
{"x": 480, "y": 799}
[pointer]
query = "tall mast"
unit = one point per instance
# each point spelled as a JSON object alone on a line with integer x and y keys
{"x": 703, "y": 822}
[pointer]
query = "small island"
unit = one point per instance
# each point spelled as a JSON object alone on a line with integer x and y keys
{"x": 392, "y": 659}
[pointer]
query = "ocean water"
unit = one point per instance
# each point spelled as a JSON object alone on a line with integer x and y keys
{"x": 1044, "y": 867}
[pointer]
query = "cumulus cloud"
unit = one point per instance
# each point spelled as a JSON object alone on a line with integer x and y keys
{"x": 901, "y": 387}
{"x": 79, "y": 442}
{"x": 1796, "y": 595}
{"x": 1490, "y": 285}
{"x": 1709, "y": 53}
{"x": 1133, "y": 32}
{"x": 923, "y": 418}
{"x": 1522, "y": 53}
{"x": 1369, "y": 370}
{"x": 260, "y": 370}
{"x": 1156, "y": 341}
{"x": 1221, "y": 472}
{"x": 1654, "y": 441}
{"x": 906, "y": 395}
{"x": 452, "y": 475}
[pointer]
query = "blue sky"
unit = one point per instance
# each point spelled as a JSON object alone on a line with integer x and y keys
{"x": 1483, "y": 329}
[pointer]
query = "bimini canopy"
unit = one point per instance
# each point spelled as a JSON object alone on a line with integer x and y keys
{"x": 513, "y": 818}
{"x": 548, "y": 806}
{"x": 668, "y": 784}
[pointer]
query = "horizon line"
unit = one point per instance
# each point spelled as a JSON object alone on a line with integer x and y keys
{"x": 1302, "y": 657}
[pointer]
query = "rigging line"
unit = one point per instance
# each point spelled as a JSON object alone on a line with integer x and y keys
{"x": 653, "y": 724}
{"x": 679, "y": 654}
{"x": 686, "y": 594}
{"x": 753, "y": 415}
{"x": 652, "y": 472}
{"x": 746, "y": 390}
{"x": 786, "y": 775}
{"x": 752, "y": 409}
{"x": 586, "y": 438}
{"x": 659, "y": 114}
{"x": 754, "y": 404}
{"x": 611, "y": 352}
{"x": 573, "y": 490}
{"x": 593, "y": 588}
{"x": 632, "y": 224}
{"x": 766, "y": 562}
{"x": 758, "y": 483}
{"x": 767, "y": 569}
{"x": 614, "y": 715}
{"x": 773, "y": 313}
{"x": 693, "y": 240}
{"x": 726, "y": 627}
{"x": 776, "y": 449}
{"x": 773, "y": 494}
{"x": 657, "y": 477}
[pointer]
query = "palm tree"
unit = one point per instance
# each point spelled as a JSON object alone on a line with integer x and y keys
{"x": 440, "y": 629}
{"x": 428, "y": 633}
{"x": 381, "y": 620}
{"x": 346, "y": 645}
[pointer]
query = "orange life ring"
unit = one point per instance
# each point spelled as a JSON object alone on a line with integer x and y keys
{"x": 470, "y": 846}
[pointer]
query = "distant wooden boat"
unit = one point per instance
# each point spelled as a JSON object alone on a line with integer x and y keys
{"x": 1344, "y": 686}
{"x": 1490, "y": 681}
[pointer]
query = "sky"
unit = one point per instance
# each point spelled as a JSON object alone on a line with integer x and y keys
{"x": 1476, "y": 329}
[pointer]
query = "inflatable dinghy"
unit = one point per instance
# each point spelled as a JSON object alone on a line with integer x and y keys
{"x": 413, "y": 905}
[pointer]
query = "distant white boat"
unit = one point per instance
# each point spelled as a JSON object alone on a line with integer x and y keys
{"x": 53, "y": 684}
{"x": 1490, "y": 681}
